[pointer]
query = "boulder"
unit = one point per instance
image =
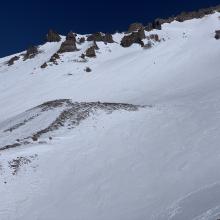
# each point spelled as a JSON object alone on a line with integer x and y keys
{"x": 43, "y": 66}
{"x": 132, "y": 38}
{"x": 82, "y": 40}
{"x": 52, "y": 36}
{"x": 90, "y": 52}
{"x": 31, "y": 52}
{"x": 87, "y": 69}
{"x": 100, "y": 37}
{"x": 135, "y": 27}
{"x": 12, "y": 60}
{"x": 217, "y": 34}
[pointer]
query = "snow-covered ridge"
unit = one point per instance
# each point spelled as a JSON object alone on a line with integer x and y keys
{"x": 43, "y": 120}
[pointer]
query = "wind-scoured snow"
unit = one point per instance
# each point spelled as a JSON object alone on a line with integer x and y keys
{"x": 159, "y": 162}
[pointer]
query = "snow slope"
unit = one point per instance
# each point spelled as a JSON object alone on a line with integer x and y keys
{"x": 160, "y": 162}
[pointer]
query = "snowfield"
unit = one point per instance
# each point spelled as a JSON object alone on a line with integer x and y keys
{"x": 155, "y": 157}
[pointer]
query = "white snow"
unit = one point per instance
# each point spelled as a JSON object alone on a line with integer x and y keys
{"x": 156, "y": 163}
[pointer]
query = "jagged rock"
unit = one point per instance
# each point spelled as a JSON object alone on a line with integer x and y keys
{"x": 12, "y": 60}
{"x": 135, "y": 27}
{"x": 71, "y": 37}
{"x": 54, "y": 58}
{"x": 134, "y": 37}
{"x": 52, "y": 36}
{"x": 217, "y": 34}
{"x": 31, "y": 52}
{"x": 69, "y": 45}
{"x": 82, "y": 40}
{"x": 107, "y": 38}
{"x": 43, "y": 66}
{"x": 156, "y": 24}
{"x": 90, "y": 52}
{"x": 141, "y": 34}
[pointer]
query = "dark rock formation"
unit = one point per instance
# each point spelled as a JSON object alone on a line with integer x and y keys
{"x": 69, "y": 45}
{"x": 43, "y": 66}
{"x": 135, "y": 27}
{"x": 88, "y": 70}
{"x": 31, "y": 52}
{"x": 100, "y": 37}
{"x": 12, "y": 60}
{"x": 135, "y": 37}
{"x": 156, "y": 24}
{"x": 52, "y": 36}
{"x": 83, "y": 56}
{"x": 217, "y": 34}
{"x": 90, "y": 52}
{"x": 82, "y": 40}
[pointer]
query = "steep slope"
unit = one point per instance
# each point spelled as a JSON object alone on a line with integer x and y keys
{"x": 158, "y": 161}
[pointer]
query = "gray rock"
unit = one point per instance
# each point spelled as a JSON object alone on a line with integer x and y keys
{"x": 217, "y": 34}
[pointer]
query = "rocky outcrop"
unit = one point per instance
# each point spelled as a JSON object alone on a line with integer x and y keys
{"x": 184, "y": 16}
{"x": 90, "y": 52}
{"x": 100, "y": 37}
{"x": 12, "y": 60}
{"x": 217, "y": 34}
{"x": 156, "y": 24}
{"x": 81, "y": 40}
{"x": 31, "y": 52}
{"x": 52, "y": 36}
{"x": 54, "y": 58}
{"x": 135, "y": 27}
{"x": 134, "y": 37}
{"x": 69, "y": 45}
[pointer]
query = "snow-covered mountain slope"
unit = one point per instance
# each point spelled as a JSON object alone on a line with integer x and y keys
{"x": 156, "y": 156}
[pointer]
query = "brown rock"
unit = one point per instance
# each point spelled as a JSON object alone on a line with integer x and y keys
{"x": 69, "y": 45}
{"x": 134, "y": 37}
{"x": 12, "y": 60}
{"x": 135, "y": 27}
{"x": 31, "y": 52}
{"x": 100, "y": 37}
{"x": 90, "y": 52}
{"x": 82, "y": 40}
{"x": 52, "y": 36}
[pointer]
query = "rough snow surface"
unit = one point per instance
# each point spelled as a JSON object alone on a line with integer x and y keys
{"x": 160, "y": 162}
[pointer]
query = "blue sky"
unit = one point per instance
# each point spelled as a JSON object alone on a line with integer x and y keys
{"x": 25, "y": 23}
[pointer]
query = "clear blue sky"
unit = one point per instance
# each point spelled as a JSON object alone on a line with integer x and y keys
{"x": 26, "y": 22}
